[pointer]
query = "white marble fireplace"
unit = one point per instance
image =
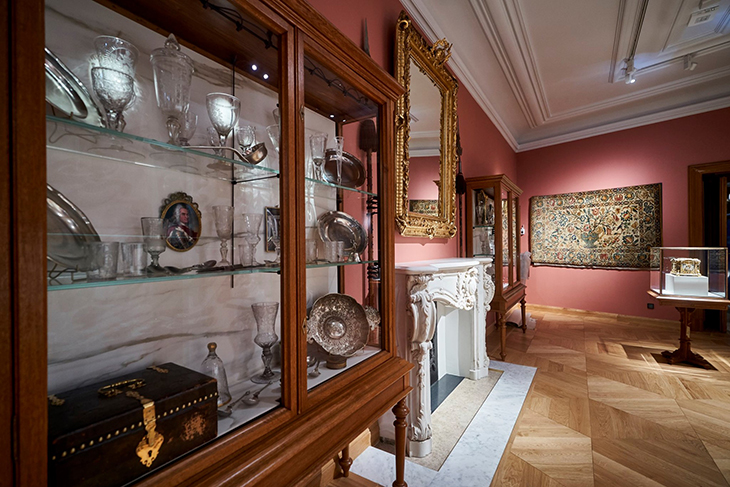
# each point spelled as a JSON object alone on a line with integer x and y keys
{"x": 450, "y": 297}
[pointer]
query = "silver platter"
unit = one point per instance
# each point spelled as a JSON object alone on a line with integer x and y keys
{"x": 339, "y": 324}
{"x": 68, "y": 94}
{"x": 69, "y": 232}
{"x": 337, "y": 225}
{"x": 353, "y": 172}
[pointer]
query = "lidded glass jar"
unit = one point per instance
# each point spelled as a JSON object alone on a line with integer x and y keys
{"x": 173, "y": 72}
{"x": 213, "y": 366}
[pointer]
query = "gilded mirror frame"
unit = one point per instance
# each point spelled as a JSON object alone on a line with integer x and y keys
{"x": 431, "y": 59}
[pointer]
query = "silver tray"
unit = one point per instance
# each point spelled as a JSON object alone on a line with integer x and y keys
{"x": 337, "y": 225}
{"x": 353, "y": 172}
{"x": 69, "y": 232}
{"x": 68, "y": 94}
{"x": 339, "y": 324}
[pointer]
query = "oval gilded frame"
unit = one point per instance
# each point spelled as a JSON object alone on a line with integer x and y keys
{"x": 430, "y": 59}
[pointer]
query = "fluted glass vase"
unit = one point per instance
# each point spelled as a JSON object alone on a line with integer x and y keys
{"x": 265, "y": 315}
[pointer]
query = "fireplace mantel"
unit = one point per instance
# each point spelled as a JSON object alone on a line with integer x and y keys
{"x": 463, "y": 284}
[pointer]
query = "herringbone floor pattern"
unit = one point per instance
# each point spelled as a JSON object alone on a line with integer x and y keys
{"x": 605, "y": 411}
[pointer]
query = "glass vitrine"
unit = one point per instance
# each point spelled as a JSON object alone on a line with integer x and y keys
{"x": 689, "y": 271}
{"x": 214, "y": 175}
{"x": 493, "y": 230}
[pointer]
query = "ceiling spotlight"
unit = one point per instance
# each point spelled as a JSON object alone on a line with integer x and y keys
{"x": 689, "y": 63}
{"x": 332, "y": 116}
{"x": 630, "y": 72}
{"x": 266, "y": 76}
{"x": 254, "y": 67}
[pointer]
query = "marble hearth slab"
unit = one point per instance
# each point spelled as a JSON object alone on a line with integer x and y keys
{"x": 475, "y": 458}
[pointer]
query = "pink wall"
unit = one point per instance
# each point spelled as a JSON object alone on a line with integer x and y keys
{"x": 485, "y": 151}
{"x": 655, "y": 153}
{"x": 423, "y": 171}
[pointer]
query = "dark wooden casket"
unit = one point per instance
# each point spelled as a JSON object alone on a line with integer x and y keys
{"x": 113, "y": 432}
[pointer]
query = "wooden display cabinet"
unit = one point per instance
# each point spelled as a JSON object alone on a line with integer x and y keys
{"x": 59, "y": 330}
{"x": 493, "y": 230}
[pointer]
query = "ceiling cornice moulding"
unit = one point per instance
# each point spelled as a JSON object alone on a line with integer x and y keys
{"x": 428, "y": 25}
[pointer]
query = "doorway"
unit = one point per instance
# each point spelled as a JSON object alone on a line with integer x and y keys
{"x": 709, "y": 210}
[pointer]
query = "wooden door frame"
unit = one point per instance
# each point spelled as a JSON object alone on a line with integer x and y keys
{"x": 696, "y": 198}
{"x": 696, "y": 216}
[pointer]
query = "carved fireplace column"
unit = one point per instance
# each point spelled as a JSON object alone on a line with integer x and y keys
{"x": 450, "y": 282}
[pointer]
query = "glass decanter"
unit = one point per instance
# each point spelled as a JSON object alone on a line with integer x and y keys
{"x": 173, "y": 72}
{"x": 213, "y": 366}
{"x": 265, "y": 315}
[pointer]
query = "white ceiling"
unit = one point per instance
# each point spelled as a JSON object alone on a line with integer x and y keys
{"x": 551, "y": 71}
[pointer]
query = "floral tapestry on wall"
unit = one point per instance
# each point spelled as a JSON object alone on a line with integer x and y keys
{"x": 609, "y": 228}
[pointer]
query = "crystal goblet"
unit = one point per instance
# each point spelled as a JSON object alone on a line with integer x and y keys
{"x": 339, "y": 146}
{"x": 115, "y": 53}
{"x": 246, "y": 136}
{"x": 251, "y": 225}
{"x": 223, "y": 111}
{"x": 173, "y": 73}
{"x": 189, "y": 124}
{"x": 265, "y": 315}
{"x": 224, "y": 228}
{"x": 115, "y": 90}
{"x": 317, "y": 145}
{"x": 153, "y": 230}
{"x": 275, "y": 135}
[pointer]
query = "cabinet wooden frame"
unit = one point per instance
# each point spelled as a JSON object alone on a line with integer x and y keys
{"x": 505, "y": 297}
{"x": 287, "y": 445}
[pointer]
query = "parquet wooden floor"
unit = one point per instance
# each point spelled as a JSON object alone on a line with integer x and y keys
{"x": 605, "y": 410}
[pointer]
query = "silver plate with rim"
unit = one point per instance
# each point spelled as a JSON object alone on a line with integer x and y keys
{"x": 69, "y": 232}
{"x": 339, "y": 324}
{"x": 68, "y": 94}
{"x": 353, "y": 172}
{"x": 338, "y": 225}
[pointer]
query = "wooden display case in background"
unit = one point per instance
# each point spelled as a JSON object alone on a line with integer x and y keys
{"x": 503, "y": 225}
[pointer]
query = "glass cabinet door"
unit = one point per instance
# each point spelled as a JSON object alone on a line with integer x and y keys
{"x": 483, "y": 214}
{"x": 342, "y": 249}
{"x": 164, "y": 206}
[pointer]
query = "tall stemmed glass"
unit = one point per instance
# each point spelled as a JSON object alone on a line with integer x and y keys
{"x": 224, "y": 228}
{"x": 251, "y": 226}
{"x": 265, "y": 315}
{"x": 317, "y": 146}
{"x": 115, "y": 91}
{"x": 339, "y": 146}
{"x": 223, "y": 110}
{"x": 173, "y": 72}
{"x": 274, "y": 132}
{"x": 112, "y": 77}
{"x": 153, "y": 230}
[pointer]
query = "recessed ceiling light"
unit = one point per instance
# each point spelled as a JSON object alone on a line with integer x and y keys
{"x": 254, "y": 67}
{"x": 266, "y": 76}
{"x": 332, "y": 116}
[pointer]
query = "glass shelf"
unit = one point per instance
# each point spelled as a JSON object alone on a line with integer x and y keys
{"x": 65, "y": 282}
{"x": 484, "y": 255}
{"x": 321, "y": 264}
{"x": 79, "y": 138}
{"x": 67, "y": 135}
{"x": 337, "y": 186}
{"x": 483, "y": 226}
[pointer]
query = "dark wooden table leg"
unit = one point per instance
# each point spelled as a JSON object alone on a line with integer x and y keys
{"x": 524, "y": 323}
{"x": 401, "y": 412}
{"x": 684, "y": 353}
{"x": 502, "y": 325}
{"x": 345, "y": 461}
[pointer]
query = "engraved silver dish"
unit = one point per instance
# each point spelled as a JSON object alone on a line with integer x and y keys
{"x": 338, "y": 324}
{"x": 69, "y": 232}
{"x": 339, "y": 226}
{"x": 68, "y": 94}
{"x": 353, "y": 172}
